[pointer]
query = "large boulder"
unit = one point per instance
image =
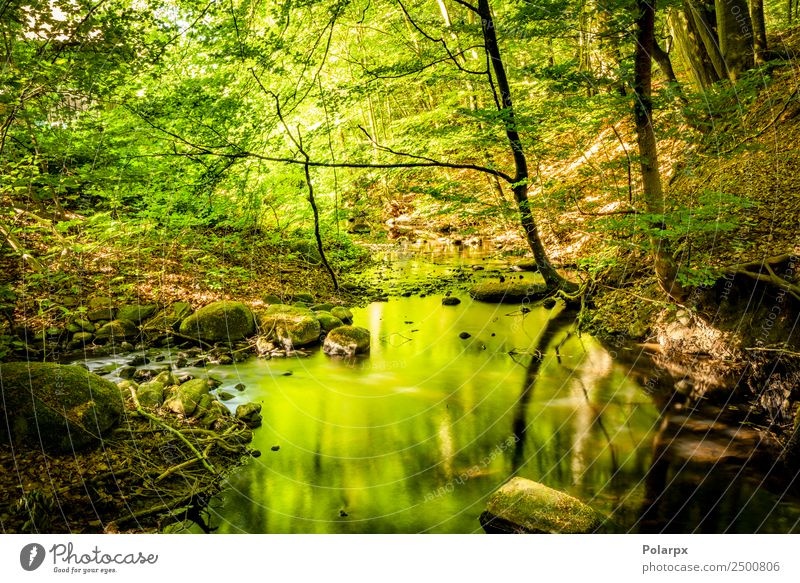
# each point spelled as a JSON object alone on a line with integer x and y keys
{"x": 514, "y": 291}
{"x": 116, "y": 331}
{"x": 525, "y": 506}
{"x": 55, "y": 407}
{"x": 346, "y": 341}
{"x": 220, "y": 321}
{"x": 290, "y": 325}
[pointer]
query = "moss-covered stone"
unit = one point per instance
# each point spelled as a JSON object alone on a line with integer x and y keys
{"x": 289, "y": 325}
{"x": 250, "y": 414}
{"x": 136, "y": 313}
{"x": 185, "y": 399}
{"x": 150, "y": 394}
{"x": 167, "y": 319}
{"x": 304, "y": 297}
{"x": 100, "y": 308}
{"x": 526, "y": 265}
{"x": 82, "y": 338}
{"x": 116, "y": 331}
{"x": 220, "y": 321}
{"x": 347, "y": 341}
{"x": 508, "y": 291}
{"x": 322, "y": 307}
{"x": 343, "y": 314}
{"x": 328, "y": 321}
{"x": 525, "y": 506}
{"x": 59, "y": 408}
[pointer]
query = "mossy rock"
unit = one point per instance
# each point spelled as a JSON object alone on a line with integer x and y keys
{"x": 151, "y": 394}
{"x": 116, "y": 331}
{"x": 100, "y": 308}
{"x": 168, "y": 319}
{"x": 343, "y": 314}
{"x": 81, "y": 325}
{"x": 250, "y": 414}
{"x": 304, "y": 297}
{"x": 82, "y": 338}
{"x": 526, "y": 265}
{"x": 289, "y": 325}
{"x": 136, "y": 313}
{"x": 525, "y": 506}
{"x": 328, "y": 321}
{"x": 55, "y": 407}
{"x": 220, "y": 321}
{"x": 508, "y": 291}
{"x": 322, "y": 307}
{"x": 346, "y": 341}
{"x": 186, "y": 398}
{"x": 272, "y": 299}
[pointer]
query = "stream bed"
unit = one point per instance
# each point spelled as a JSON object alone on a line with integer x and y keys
{"x": 415, "y": 436}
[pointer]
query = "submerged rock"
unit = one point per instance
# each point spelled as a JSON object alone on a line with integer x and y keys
{"x": 55, "y": 407}
{"x": 219, "y": 322}
{"x": 450, "y": 301}
{"x": 346, "y": 341}
{"x": 508, "y": 291}
{"x": 525, "y": 506}
{"x": 289, "y": 325}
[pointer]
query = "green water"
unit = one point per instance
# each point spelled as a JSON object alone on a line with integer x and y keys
{"x": 413, "y": 437}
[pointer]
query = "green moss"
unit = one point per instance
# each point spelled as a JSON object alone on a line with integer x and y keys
{"x": 533, "y": 507}
{"x": 347, "y": 341}
{"x": 292, "y": 326}
{"x": 220, "y": 321}
{"x": 56, "y": 407}
{"x": 328, "y": 321}
{"x": 508, "y": 291}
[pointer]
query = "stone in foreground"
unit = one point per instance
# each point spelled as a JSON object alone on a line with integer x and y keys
{"x": 524, "y": 506}
{"x": 56, "y": 408}
{"x": 220, "y": 322}
{"x": 346, "y": 341}
{"x": 508, "y": 292}
{"x": 291, "y": 326}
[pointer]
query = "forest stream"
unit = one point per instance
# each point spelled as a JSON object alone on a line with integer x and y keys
{"x": 416, "y": 435}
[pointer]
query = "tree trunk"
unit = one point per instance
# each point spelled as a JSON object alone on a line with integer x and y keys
{"x": 665, "y": 268}
{"x": 759, "y": 30}
{"x": 521, "y": 177}
{"x": 665, "y": 64}
{"x": 735, "y": 31}
{"x": 691, "y": 47}
{"x": 704, "y": 19}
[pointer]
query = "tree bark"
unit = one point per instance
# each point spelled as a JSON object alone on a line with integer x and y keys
{"x": 520, "y": 183}
{"x": 759, "y": 30}
{"x": 692, "y": 48}
{"x": 735, "y": 31}
{"x": 665, "y": 268}
{"x": 665, "y": 64}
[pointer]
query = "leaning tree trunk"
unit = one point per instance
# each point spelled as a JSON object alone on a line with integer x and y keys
{"x": 665, "y": 267}
{"x": 521, "y": 177}
{"x": 735, "y": 31}
{"x": 692, "y": 48}
{"x": 759, "y": 30}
